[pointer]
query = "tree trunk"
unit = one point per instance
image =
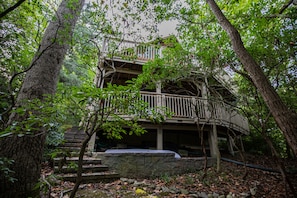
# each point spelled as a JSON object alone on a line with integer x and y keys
{"x": 284, "y": 117}
{"x": 40, "y": 81}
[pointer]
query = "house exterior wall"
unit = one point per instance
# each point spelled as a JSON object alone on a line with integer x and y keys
{"x": 187, "y": 110}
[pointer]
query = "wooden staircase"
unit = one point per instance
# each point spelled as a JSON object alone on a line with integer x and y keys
{"x": 93, "y": 170}
{"x": 73, "y": 139}
{"x": 66, "y": 166}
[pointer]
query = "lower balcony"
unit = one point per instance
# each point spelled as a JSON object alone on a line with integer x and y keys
{"x": 190, "y": 109}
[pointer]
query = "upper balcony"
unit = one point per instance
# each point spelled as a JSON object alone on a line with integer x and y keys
{"x": 118, "y": 49}
{"x": 190, "y": 110}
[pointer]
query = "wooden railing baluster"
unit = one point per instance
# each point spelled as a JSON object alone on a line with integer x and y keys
{"x": 184, "y": 107}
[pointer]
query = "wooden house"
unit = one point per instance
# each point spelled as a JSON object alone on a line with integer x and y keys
{"x": 122, "y": 60}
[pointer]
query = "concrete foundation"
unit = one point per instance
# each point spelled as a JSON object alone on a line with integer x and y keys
{"x": 150, "y": 165}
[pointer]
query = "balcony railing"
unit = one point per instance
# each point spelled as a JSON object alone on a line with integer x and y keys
{"x": 129, "y": 50}
{"x": 190, "y": 109}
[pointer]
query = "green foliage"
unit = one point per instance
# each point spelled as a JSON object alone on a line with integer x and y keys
{"x": 30, "y": 120}
{"x": 72, "y": 165}
{"x": 72, "y": 73}
{"x": 20, "y": 34}
{"x": 45, "y": 183}
{"x": 58, "y": 153}
{"x": 5, "y": 101}
{"x": 55, "y": 135}
{"x": 260, "y": 122}
{"x": 112, "y": 109}
{"x": 5, "y": 171}
{"x": 119, "y": 102}
{"x": 167, "y": 178}
{"x": 115, "y": 130}
{"x": 267, "y": 34}
{"x": 38, "y": 118}
{"x": 54, "y": 138}
{"x": 175, "y": 64}
{"x": 255, "y": 144}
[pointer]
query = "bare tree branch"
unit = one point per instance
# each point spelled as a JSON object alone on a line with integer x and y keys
{"x": 285, "y": 6}
{"x": 10, "y": 9}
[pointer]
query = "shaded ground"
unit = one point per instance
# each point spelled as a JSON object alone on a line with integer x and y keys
{"x": 228, "y": 183}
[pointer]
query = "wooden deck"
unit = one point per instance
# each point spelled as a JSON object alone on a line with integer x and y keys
{"x": 184, "y": 109}
{"x": 190, "y": 109}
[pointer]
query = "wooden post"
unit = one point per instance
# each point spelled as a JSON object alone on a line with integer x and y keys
{"x": 158, "y": 87}
{"x": 159, "y": 138}
{"x": 213, "y": 141}
{"x": 159, "y": 128}
{"x": 206, "y": 104}
{"x": 241, "y": 143}
{"x": 214, "y": 146}
{"x": 230, "y": 145}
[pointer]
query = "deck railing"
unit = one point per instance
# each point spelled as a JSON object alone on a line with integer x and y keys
{"x": 129, "y": 50}
{"x": 190, "y": 108}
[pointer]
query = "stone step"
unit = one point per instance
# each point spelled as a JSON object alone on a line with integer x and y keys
{"x": 74, "y": 129}
{"x": 72, "y": 144}
{"x": 75, "y": 133}
{"x": 73, "y": 148}
{"x": 73, "y": 141}
{"x": 86, "y": 169}
{"x": 93, "y": 170}
{"x": 72, "y": 153}
{"x": 74, "y": 136}
{"x": 86, "y": 160}
{"x": 92, "y": 177}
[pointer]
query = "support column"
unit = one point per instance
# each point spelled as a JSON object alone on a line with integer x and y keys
{"x": 159, "y": 128}
{"x": 204, "y": 92}
{"x": 241, "y": 143}
{"x": 213, "y": 142}
{"x": 159, "y": 138}
{"x": 230, "y": 145}
{"x": 206, "y": 104}
{"x": 158, "y": 87}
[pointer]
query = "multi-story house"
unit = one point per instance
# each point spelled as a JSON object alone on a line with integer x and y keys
{"x": 196, "y": 111}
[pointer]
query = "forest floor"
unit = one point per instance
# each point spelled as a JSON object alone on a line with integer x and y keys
{"x": 233, "y": 181}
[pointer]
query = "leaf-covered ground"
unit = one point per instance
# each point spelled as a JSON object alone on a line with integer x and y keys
{"x": 232, "y": 181}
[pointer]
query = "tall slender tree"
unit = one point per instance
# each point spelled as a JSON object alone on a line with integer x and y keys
{"x": 284, "y": 117}
{"x": 40, "y": 82}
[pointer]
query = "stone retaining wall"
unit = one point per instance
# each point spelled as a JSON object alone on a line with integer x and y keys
{"x": 144, "y": 165}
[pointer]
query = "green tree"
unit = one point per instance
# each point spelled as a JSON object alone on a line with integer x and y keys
{"x": 267, "y": 30}
{"x": 119, "y": 101}
{"x": 283, "y": 115}
{"x": 18, "y": 43}
{"x": 40, "y": 82}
